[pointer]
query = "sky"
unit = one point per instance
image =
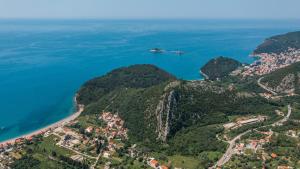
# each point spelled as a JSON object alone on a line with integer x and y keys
{"x": 150, "y": 9}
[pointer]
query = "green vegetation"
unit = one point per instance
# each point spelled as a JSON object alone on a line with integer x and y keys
{"x": 253, "y": 136}
{"x": 26, "y": 162}
{"x": 46, "y": 155}
{"x": 220, "y": 67}
{"x": 128, "y": 77}
{"x": 195, "y": 139}
{"x": 197, "y": 108}
{"x": 244, "y": 161}
{"x": 184, "y": 161}
{"x": 275, "y": 78}
{"x": 280, "y": 43}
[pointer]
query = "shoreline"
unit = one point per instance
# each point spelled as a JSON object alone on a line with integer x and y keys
{"x": 60, "y": 123}
{"x": 206, "y": 77}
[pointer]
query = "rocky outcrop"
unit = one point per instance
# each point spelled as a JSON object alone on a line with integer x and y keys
{"x": 164, "y": 113}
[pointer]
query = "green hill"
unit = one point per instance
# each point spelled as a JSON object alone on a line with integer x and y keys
{"x": 137, "y": 76}
{"x": 168, "y": 110}
{"x": 284, "y": 80}
{"x": 279, "y": 43}
{"x": 219, "y": 67}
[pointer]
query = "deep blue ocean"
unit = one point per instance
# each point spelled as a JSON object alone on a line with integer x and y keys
{"x": 44, "y": 62}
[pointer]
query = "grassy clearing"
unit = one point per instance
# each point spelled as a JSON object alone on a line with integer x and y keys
{"x": 184, "y": 162}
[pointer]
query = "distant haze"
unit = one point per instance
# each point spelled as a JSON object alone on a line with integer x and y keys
{"x": 150, "y": 9}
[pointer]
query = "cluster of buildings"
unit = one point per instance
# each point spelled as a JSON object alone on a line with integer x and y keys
{"x": 5, "y": 158}
{"x": 11, "y": 151}
{"x": 68, "y": 138}
{"x": 113, "y": 131}
{"x": 115, "y": 126}
{"x": 253, "y": 144}
{"x": 106, "y": 136}
{"x": 155, "y": 164}
{"x": 242, "y": 122}
{"x": 271, "y": 62}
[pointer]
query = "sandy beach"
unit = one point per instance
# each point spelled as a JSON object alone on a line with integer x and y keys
{"x": 60, "y": 123}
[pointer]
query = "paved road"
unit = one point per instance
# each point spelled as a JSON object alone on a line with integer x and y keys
{"x": 286, "y": 118}
{"x": 265, "y": 87}
{"x": 230, "y": 150}
{"x": 94, "y": 165}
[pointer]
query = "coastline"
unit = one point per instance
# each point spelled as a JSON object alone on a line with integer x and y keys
{"x": 60, "y": 123}
{"x": 206, "y": 77}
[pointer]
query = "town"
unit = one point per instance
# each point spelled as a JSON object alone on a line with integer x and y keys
{"x": 270, "y": 62}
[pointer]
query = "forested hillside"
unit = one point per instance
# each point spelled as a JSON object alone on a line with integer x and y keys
{"x": 137, "y": 76}
{"x": 219, "y": 67}
{"x": 280, "y": 43}
{"x": 285, "y": 80}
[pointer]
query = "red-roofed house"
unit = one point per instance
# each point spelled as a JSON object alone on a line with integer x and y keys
{"x": 153, "y": 163}
{"x": 163, "y": 167}
{"x": 273, "y": 155}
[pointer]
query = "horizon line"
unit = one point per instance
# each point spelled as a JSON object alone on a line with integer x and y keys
{"x": 145, "y": 18}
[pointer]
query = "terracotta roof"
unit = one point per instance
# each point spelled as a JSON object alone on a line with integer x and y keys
{"x": 154, "y": 163}
{"x": 273, "y": 155}
{"x": 164, "y": 167}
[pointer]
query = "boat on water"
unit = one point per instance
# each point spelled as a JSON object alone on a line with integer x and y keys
{"x": 157, "y": 50}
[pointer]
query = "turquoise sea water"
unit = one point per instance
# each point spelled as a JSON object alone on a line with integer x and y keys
{"x": 44, "y": 62}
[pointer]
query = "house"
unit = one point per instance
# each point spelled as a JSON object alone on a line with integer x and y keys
{"x": 273, "y": 155}
{"x": 89, "y": 129}
{"x": 153, "y": 163}
{"x": 163, "y": 167}
{"x": 19, "y": 140}
{"x": 106, "y": 154}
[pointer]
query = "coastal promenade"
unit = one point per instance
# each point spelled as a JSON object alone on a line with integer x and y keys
{"x": 60, "y": 123}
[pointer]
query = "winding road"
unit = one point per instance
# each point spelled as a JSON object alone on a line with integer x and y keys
{"x": 230, "y": 150}
{"x": 265, "y": 87}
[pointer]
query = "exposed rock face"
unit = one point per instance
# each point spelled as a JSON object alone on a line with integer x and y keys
{"x": 164, "y": 113}
{"x": 287, "y": 84}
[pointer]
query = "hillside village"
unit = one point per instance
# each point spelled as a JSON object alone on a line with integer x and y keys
{"x": 269, "y": 62}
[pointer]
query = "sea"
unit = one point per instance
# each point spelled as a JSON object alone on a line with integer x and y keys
{"x": 44, "y": 62}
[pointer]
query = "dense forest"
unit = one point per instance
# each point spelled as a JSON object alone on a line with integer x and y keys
{"x": 279, "y": 43}
{"x": 220, "y": 67}
{"x": 126, "y": 77}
